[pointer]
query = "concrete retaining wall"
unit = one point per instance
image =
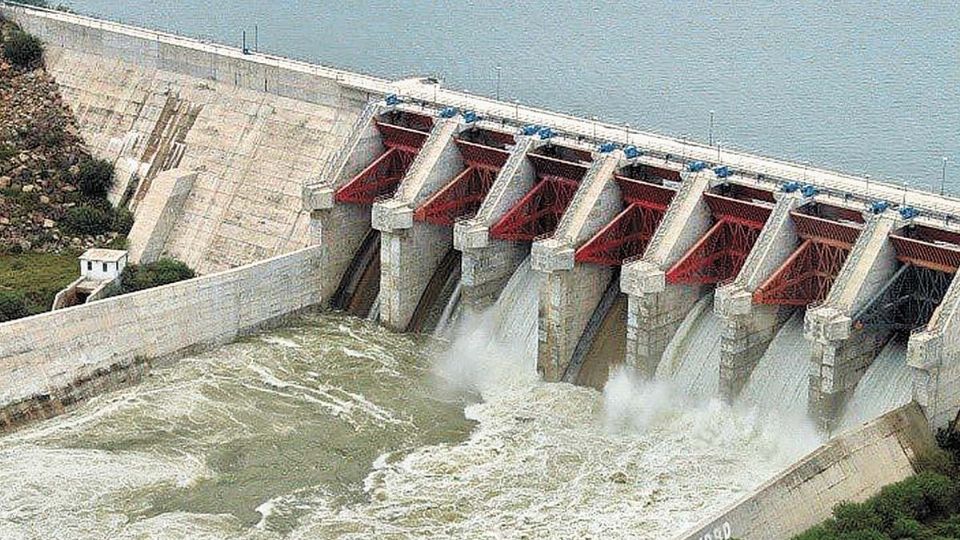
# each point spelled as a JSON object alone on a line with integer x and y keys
{"x": 851, "y": 467}
{"x": 50, "y": 361}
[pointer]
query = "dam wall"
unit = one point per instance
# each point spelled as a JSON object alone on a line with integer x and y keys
{"x": 851, "y": 467}
{"x": 56, "y": 359}
{"x": 253, "y": 129}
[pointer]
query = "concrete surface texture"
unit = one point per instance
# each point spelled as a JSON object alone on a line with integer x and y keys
{"x": 851, "y": 467}
{"x": 654, "y": 308}
{"x": 46, "y": 357}
{"x": 934, "y": 356}
{"x": 751, "y": 327}
{"x": 840, "y": 353}
{"x": 158, "y": 213}
{"x": 150, "y": 106}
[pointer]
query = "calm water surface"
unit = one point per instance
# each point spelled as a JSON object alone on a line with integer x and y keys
{"x": 868, "y": 86}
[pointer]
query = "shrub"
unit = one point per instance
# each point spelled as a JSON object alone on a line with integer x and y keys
{"x": 122, "y": 220}
{"x": 852, "y": 517}
{"x": 87, "y": 220}
{"x": 921, "y": 497}
{"x": 12, "y": 306}
{"x": 162, "y": 272}
{"x": 21, "y": 49}
{"x": 96, "y": 178}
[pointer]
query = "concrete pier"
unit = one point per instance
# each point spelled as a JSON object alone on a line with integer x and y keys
{"x": 488, "y": 263}
{"x": 340, "y": 228}
{"x": 410, "y": 251}
{"x": 841, "y": 353}
{"x": 656, "y": 309}
{"x": 570, "y": 292}
{"x": 933, "y": 354}
{"x": 748, "y": 327}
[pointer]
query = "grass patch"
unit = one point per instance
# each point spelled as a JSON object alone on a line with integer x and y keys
{"x": 38, "y": 277}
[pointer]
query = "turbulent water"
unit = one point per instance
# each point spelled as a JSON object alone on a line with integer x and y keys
{"x": 336, "y": 428}
{"x": 780, "y": 380}
{"x": 887, "y": 384}
{"x": 692, "y": 358}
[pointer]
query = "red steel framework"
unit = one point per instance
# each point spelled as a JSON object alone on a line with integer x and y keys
{"x": 720, "y": 254}
{"x": 630, "y": 232}
{"x": 463, "y": 195}
{"x": 827, "y": 235}
{"x": 384, "y": 174}
{"x": 539, "y": 211}
{"x": 926, "y": 247}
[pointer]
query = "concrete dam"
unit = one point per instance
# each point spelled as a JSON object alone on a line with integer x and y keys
{"x": 291, "y": 186}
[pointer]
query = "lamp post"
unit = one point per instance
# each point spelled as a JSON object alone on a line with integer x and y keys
{"x": 594, "y": 120}
{"x": 868, "y": 187}
{"x": 711, "y": 127}
{"x": 498, "y": 83}
{"x": 943, "y": 176}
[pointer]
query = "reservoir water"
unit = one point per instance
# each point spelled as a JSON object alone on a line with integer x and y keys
{"x": 864, "y": 87}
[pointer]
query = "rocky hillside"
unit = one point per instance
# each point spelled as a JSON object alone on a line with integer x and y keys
{"x": 41, "y": 154}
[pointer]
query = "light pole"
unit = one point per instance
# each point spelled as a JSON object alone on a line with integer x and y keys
{"x": 868, "y": 187}
{"x": 498, "y": 83}
{"x": 943, "y": 176}
{"x": 516, "y": 110}
{"x": 626, "y": 133}
{"x": 718, "y": 153}
{"x": 594, "y": 120}
{"x": 711, "y": 127}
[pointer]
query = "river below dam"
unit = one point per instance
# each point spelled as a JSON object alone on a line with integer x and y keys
{"x": 336, "y": 428}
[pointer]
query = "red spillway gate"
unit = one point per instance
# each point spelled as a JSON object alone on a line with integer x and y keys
{"x": 646, "y": 200}
{"x": 926, "y": 247}
{"x": 403, "y": 135}
{"x": 484, "y": 153}
{"x": 739, "y": 214}
{"x": 539, "y": 211}
{"x": 827, "y": 234}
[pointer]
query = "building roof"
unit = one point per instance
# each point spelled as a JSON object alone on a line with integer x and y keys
{"x": 105, "y": 255}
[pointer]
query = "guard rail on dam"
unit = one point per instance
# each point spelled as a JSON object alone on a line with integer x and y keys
{"x": 405, "y": 188}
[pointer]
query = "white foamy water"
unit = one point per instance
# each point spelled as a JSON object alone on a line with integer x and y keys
{"x": 559, "y": 461}
{"x": 887, "y": 384}
{"x": 780, "y": 381}
{"x": 336, "y": 429}
{"x": 448, "y": 319}
{"x": 692, "y": 358}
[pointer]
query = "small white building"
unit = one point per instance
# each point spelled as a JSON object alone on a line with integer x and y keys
{"x": 102, "y": 264}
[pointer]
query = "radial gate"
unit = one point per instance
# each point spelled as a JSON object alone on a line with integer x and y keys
{"x": 403, "y": 135}
{"x": 739, "y": 214}
{"x": 929, "y": 260}
{"x": 646, "y": 199}
{"x": 484, "y": 153}
{"x": 559, "y": 171}
{"x": 827, "y": 234}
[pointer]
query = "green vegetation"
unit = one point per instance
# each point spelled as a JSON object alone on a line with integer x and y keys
{"x": 87, "y": 220}
{"x": 163, "y": 272}
{"x": 33, "y": 279}
{"x": 922, "y": 507}
{"x": 96, "y": 178}
{"x": 21, "y": 49}
{"x": 12, "y": 306}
